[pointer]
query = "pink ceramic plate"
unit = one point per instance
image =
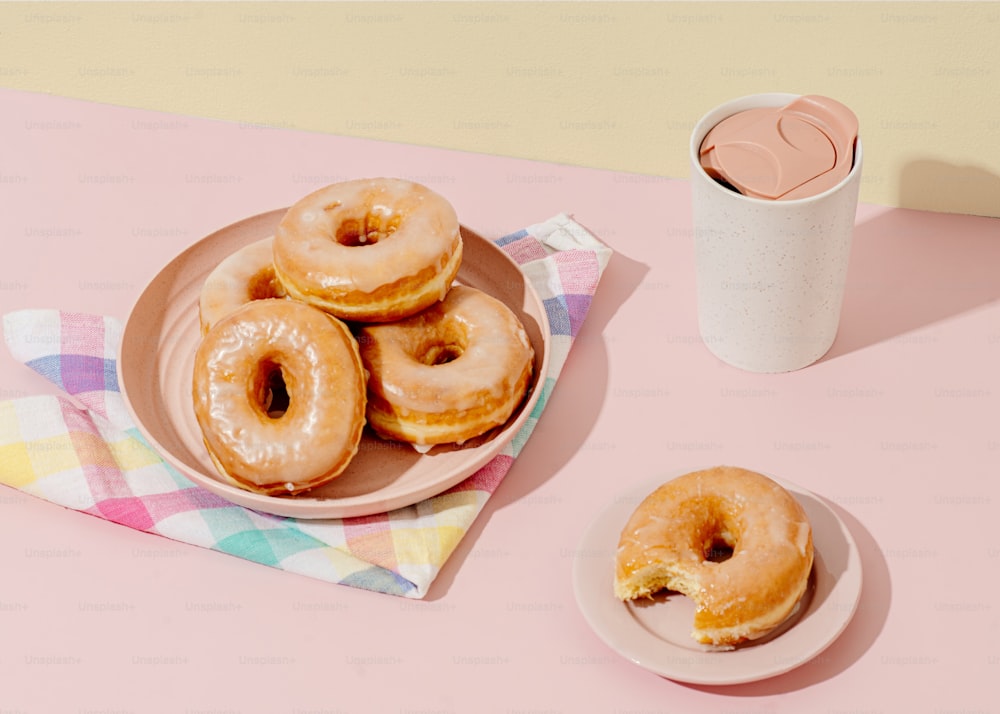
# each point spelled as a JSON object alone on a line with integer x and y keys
{"x": 156, "y": 363}
{"x": 656, "y": 633}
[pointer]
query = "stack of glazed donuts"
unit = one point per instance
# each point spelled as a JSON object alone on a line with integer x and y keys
{"x": 348, "y": 316}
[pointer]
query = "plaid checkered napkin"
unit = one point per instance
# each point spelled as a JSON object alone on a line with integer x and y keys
{"x": 82, "y": 451}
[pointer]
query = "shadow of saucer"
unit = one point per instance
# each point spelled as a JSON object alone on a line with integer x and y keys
{"x": 570, "y": 412}
{"x": 909, "y": 269}
{"x": 856, "y": 639}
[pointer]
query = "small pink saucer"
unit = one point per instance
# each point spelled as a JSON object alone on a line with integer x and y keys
{"x": 656, "y": 634}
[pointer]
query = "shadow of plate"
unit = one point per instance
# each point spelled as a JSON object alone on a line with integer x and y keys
{"x": 570, "y": 413}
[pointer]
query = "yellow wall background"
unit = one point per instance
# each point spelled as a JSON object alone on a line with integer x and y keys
{"x": 614, "y": 85}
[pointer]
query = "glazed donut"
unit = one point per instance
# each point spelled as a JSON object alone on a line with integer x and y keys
{"x": 247, "y": 274}
{"x": 449, "y": 373}
{"x": 369, "y": 250}
{"x": 668, "y": 539}
{"x": 260, "y": 439}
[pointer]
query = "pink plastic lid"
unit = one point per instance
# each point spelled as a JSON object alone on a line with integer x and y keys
{"x": 794, "y": 151}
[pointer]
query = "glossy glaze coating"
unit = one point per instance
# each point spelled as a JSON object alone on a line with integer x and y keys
{"x": 235, "y": 370}
{"x": 666, "y": 542}
{"x": 248, "y": 274}
{"x": 450, "y": 373}
{"x": 369, "y": 250}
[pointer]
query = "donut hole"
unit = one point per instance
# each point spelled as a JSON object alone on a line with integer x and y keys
{"x": 272, "y": 392}
{"x": 367, "y": 230}
{"x": 718, "y": 551}
{"x": 718, "y": 540}
{"x": 265, "y": 285}
{"x": 447, "y": 343}
{"x": 441, "y": 354}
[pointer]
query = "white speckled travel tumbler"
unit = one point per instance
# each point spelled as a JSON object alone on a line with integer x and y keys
{"x": 770, "y": 274}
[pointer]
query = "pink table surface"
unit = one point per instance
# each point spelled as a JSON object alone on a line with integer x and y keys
{"x": 898, "y": 428}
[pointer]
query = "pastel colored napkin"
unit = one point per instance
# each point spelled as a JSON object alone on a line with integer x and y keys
{"x": 83, "y": 452}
